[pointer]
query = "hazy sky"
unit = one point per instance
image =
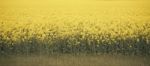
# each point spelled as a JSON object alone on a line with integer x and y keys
{"x": 70, "y": 2}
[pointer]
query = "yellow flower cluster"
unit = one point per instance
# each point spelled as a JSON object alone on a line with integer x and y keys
{"x": 102, "y": 25}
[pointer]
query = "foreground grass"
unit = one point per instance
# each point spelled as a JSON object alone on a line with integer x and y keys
{"x": 75, "y": 60}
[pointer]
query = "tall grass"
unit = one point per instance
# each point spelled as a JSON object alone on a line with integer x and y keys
{"x": 71, "y": 60}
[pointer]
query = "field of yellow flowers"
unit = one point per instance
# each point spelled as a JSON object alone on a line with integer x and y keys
{"x": 90, "y": 27}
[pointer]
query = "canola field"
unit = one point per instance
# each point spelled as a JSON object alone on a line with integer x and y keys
{"x": 99, "y": 27}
